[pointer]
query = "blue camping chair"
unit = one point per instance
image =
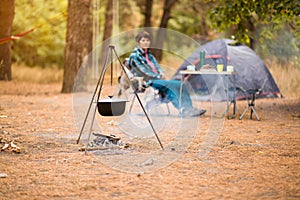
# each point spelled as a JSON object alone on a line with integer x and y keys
{"x": 154, "y": 97}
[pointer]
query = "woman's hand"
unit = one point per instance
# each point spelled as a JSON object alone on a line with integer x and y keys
{"x": 163, "y": 77}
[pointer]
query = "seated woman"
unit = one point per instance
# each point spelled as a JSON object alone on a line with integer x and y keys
{"x": 144, "y": 64}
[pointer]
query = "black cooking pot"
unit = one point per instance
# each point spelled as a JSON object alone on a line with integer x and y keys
{"x": 111, "y": 106}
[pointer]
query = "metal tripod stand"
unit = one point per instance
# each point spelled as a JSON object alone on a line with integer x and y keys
{"x": 95, "y": 99}
{"x": 251, "y": 103}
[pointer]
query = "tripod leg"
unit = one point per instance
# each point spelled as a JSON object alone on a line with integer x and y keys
{"x": 234, "y": 107}
{"x": 244, "y": 112}
{"x": 138, "y": 98}
{"x": 88, "y": 112}
{"x": 252, "y": 105}
{"x": 131, "y": 105}
{"x": 237, "y": 110}
{"x": 233, "y": 110}
{"x": 140, "y": 102}
{"x": 252, "y": 109}
{"x": 227, "y": 110}
{"x": 168, "y": 108}
{"x": 90, "y": 131}
{"x": 83, "y": 125}
{"x": 99, "y": 85}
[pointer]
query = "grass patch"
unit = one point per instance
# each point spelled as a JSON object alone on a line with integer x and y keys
{"x": 287, "y": 77}
{"x": 37, "y": 74}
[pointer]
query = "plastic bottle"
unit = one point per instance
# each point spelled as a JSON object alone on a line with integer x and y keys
{"x": 202, "y": 58}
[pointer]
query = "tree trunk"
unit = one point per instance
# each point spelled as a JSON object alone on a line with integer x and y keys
{"x": 161, "y": 32}
{"x": 200, "y": 8}
{"x": 252, "y": 34}
{"x": 78, "y": 44}
{"x": 146, "y": 9}
{"x": 204, "y": 26}
{"x": 7, "y": 8}
{"x": 249, "y": 25}
{"x": 107, "y": 29}
{"x": 148, "y": 15}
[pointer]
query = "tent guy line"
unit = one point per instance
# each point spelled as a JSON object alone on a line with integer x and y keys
{"x": 15, "y": 37}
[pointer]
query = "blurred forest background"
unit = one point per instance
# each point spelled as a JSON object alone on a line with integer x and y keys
{"x": 270, "y": 28}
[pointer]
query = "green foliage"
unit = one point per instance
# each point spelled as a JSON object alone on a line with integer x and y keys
{"x": 243, "y": 16}
{"x": 129, "y": 15}
{"x": 282, "y": 46}
{"x": 247, "y": 20}
{"x": 189, "y": 17}
{"x": 272, "y": 27}
{"x": 45, "y": 45}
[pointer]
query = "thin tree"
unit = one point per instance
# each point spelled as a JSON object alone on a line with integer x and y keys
{"x": 108, "y": 27}
{"x": 146, "y": 10}
{"x": 78, "y": 43}
{"x": 168, "y": 4}
{"x": 7, "y": 8}
{"x": 200, "y": 10}
{"x": 148, "y": 13}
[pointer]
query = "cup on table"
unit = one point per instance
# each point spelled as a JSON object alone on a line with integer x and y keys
{"x": 219, "y": 67}
{"x": 230, "y": 68}
{"x": 191, "y": 67}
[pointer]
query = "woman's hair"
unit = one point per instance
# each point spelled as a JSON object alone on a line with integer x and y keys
{"x": 143, "y": 34}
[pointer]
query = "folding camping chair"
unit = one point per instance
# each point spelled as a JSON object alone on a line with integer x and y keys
{"x": 251, "y": 102}
{"x": 154, "y": 98}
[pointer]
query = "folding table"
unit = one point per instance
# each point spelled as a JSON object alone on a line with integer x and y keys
{"x": 185, "y": 73}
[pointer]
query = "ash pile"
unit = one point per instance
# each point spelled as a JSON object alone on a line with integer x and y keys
{"x": 106, "y": 145}
{"x": 107, "y": 141}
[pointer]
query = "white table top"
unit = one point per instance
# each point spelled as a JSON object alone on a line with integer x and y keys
{"x": 206, "y": 72}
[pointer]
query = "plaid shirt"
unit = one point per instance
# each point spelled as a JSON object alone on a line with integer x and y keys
{"x": 140, "y": 67}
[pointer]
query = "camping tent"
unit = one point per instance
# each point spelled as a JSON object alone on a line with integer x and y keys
{"x": 252, "y": 73}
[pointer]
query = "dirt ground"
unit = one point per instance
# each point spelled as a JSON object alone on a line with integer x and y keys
{"x": 249, "y": 160}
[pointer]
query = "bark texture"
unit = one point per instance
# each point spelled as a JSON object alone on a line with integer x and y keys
{"x": 7, "y": 9}
{"x": 78, "y": 45}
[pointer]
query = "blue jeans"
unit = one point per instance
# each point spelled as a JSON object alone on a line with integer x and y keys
{"x": 171, "y": 88}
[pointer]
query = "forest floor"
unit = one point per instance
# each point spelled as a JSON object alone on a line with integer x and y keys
{"x": 249, "y": 159}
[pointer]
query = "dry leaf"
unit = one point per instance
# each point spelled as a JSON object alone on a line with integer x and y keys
{"x": 6, "y": 146}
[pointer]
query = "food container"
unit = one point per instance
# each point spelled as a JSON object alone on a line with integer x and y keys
{"x": 111, "y": 106}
